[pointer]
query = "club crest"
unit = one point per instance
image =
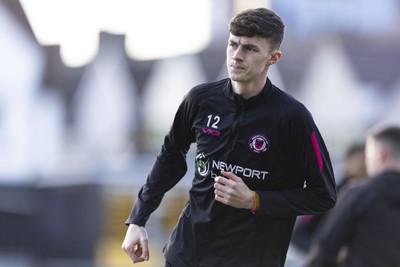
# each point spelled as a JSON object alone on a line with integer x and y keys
{"x": 259, "y": 143}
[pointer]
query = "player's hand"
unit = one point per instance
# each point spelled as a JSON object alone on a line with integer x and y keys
{"x": 136, "y": 243}
{"x": 230, "y": 189}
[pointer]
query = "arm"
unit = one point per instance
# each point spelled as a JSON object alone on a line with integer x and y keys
{"x": 311, "y": 162}
{"x": 169, "y": 168}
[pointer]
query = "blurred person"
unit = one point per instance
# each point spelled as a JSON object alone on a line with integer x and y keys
{"x": 354, "y": 172}
{"x": 260, "y": 162}
{"x": 354, "y": 167}
{"x": 364, "y": 225}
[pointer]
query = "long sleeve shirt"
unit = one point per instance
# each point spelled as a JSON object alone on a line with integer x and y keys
{"x": 272, "y": 143}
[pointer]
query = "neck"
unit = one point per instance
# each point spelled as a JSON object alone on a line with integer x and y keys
{"x": 395, "y": 166}
{"x": 247, "y": 90}
{"x": 391, "y": 166}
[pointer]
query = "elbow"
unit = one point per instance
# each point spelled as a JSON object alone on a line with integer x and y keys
{"x": 328, "y": 202}
{"x": 323, "y": 200}
{"x": 331, "y": 202}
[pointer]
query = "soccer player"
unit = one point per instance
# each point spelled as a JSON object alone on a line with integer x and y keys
{"x": 260, "y": 162}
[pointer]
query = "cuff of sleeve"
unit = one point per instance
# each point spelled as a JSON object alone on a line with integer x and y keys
{"x": 130, "y": 220}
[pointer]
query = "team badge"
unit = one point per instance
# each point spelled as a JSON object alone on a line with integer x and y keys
{"x": 259, "y": 143}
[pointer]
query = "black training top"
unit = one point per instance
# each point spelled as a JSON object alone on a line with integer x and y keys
{"x": 272, "y": 143}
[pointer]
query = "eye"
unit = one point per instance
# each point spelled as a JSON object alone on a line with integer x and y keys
{"x": 233, "y": 45}
{"x": 251, "y": 49}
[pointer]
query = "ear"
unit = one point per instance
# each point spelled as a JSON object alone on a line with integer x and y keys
{"x": 274, "y": 57}
{"x": 383, "y": 154}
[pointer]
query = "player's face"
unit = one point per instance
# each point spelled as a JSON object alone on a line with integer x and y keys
{"x": 248, "y": 58}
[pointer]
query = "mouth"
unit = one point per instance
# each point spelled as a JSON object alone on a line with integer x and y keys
{"x": 236, "y": 67}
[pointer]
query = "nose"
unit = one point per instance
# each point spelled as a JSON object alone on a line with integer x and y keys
{"x": 237, "y": 54}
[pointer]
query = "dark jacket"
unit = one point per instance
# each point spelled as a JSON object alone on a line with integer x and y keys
{"x": 271, "y": 142}
{"x": 365, "y": 221}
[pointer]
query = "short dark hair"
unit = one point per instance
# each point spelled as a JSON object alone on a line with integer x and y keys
{"x": 390, "y": 136}
{"x": 260, "y": 22}
{"x": 355, "y": 149}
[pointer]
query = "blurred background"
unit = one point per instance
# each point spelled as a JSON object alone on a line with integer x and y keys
{"x": 89, "y": 88}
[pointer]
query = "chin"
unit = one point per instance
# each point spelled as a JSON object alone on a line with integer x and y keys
{"x": 235, "y": 77}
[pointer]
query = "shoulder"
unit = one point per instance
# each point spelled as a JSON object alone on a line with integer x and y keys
{"x": 288, "y": 101}
{"x": 204, "y": 91}
{"x": 290, "y": 108}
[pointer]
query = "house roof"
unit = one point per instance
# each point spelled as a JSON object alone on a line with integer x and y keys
{"x": 376, "y": 59}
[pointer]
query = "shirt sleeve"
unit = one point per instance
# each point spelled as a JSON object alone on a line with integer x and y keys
{"x": 169, "y": 167}
{"x": 311, "y": 159}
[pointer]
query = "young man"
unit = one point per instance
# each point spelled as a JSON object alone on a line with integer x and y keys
{"x": 260, "y": 162}
{"x": 367, "y": 218}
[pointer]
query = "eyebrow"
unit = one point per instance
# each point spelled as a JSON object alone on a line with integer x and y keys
{"x": 251, "y": 46}
{"x": 246, "y": 45}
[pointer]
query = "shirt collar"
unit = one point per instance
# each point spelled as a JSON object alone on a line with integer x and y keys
{"x": 265, "y": 93}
